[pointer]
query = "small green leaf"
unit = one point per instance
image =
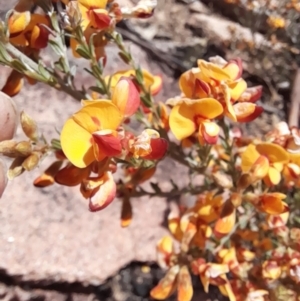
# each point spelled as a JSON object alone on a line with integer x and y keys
{"x": 99, "y": 90}
{"x": 83, "y": 51}
{"x": 96, "y": 71}
{"x": 147, "y": 164}
{"x": 4, "y": 56}
{"x": 56, "y": 47}
{"x": 43, "y": 71}
{"x": 91, "y": 45}
{"x": 125, "y": 56}
{"x": 118, "y": 38}
{"x": 55, "y": 143}
{"x": 54, "y": 19}
{"x": 139, "y": 76}
{"x": 19, "y": 66}
{"x": 147, "y": 101}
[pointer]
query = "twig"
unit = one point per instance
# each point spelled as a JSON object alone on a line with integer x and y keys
{"x": 51, "y": 80}
{"x": 295, "y": 101}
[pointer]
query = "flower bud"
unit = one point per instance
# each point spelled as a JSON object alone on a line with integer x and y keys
{"x": 3, "y": 178}
{"x": 15, "y": 168}
{"x": 244, "y": 181}
{"x": 222, "y": 180}
{"x": 159, "y": 147}
{"x": 31, "y": 162}
{"x": 7, "y": 148}
{"x": 8, "y": 117}
{"x": 24, "y": 148}
{"x": 105, "y": 194}
{"x": 29, "y": 126}
{"x": 126, "y": 96}
{"x": 73, "y": 15}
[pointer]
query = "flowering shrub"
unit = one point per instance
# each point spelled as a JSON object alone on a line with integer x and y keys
{"x": 241, "y": 233}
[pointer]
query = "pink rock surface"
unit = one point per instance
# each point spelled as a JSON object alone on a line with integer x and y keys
{"x": 49, "y": 233}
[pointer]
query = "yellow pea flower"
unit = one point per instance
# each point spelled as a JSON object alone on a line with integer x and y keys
{"x": 264, "y": 161}
{"x": 188, "y": 116}
{"x": 152, "y": 82}
{"x": 94, "y": 14}
{"x": 28, "y": 30}
{"x": 91, "y": 133}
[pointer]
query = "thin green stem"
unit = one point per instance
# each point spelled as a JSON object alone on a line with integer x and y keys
{"x": 32, "y": 69}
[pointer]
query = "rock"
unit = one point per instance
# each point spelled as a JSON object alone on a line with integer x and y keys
{"x": 49, "y": 234}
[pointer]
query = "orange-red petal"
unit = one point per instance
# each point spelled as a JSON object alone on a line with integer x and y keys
{"x": 247, "y": 111}
{"x": 227, "y": 219}
{"x": 105, "y": 194}
{"x": 13, "y": 84}
{"x": 185, "y": 287}
{"x": 126, "y": 96}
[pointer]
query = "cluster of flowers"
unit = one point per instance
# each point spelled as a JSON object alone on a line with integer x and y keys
{"x": 244, "y": 227}
{"x": 240, "y": 234}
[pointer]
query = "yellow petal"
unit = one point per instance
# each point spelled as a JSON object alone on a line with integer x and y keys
{"x": 181, "y": 121}
{"x": 274, "y": 176}
{"x": 174, "y": 225}
{"x": 249, "y": 156}
{"x": 208, "y": 108}
{"x": 187, "y": 83}
{"x": 227, "y": 219}
{"x": 126, "y": 97}
{"x": 271, "y": 270}
{"x": 183, "y": 117}
{"x": 117, "y": 76}
{"x": 85, "y": 20}
{"x": 274, "y": 152}
{"x": 76, "y": 144}
{"x": 226, "y": 290}
{"x": 185, "y": 287}
{"x": 260, "y": 167}
{"x": 213, "y": 71}
{"x": 154, "y": 83}
{"x": 93, "y": 3}
{"x": 234, "y": 68}
{"x": 237, "y": 88}
{"x": 229, "y": 111}
{"x": 165, "y": 245}
{"x": 18, "y": 22}
{"x": 295, "y": 158}
{"x": 166, "y": 285}
{"x": 272, "y": 203}
{"x": 100, "y": 115}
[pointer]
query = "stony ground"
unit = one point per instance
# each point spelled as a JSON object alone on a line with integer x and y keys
{"x": 51, "y": 247}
